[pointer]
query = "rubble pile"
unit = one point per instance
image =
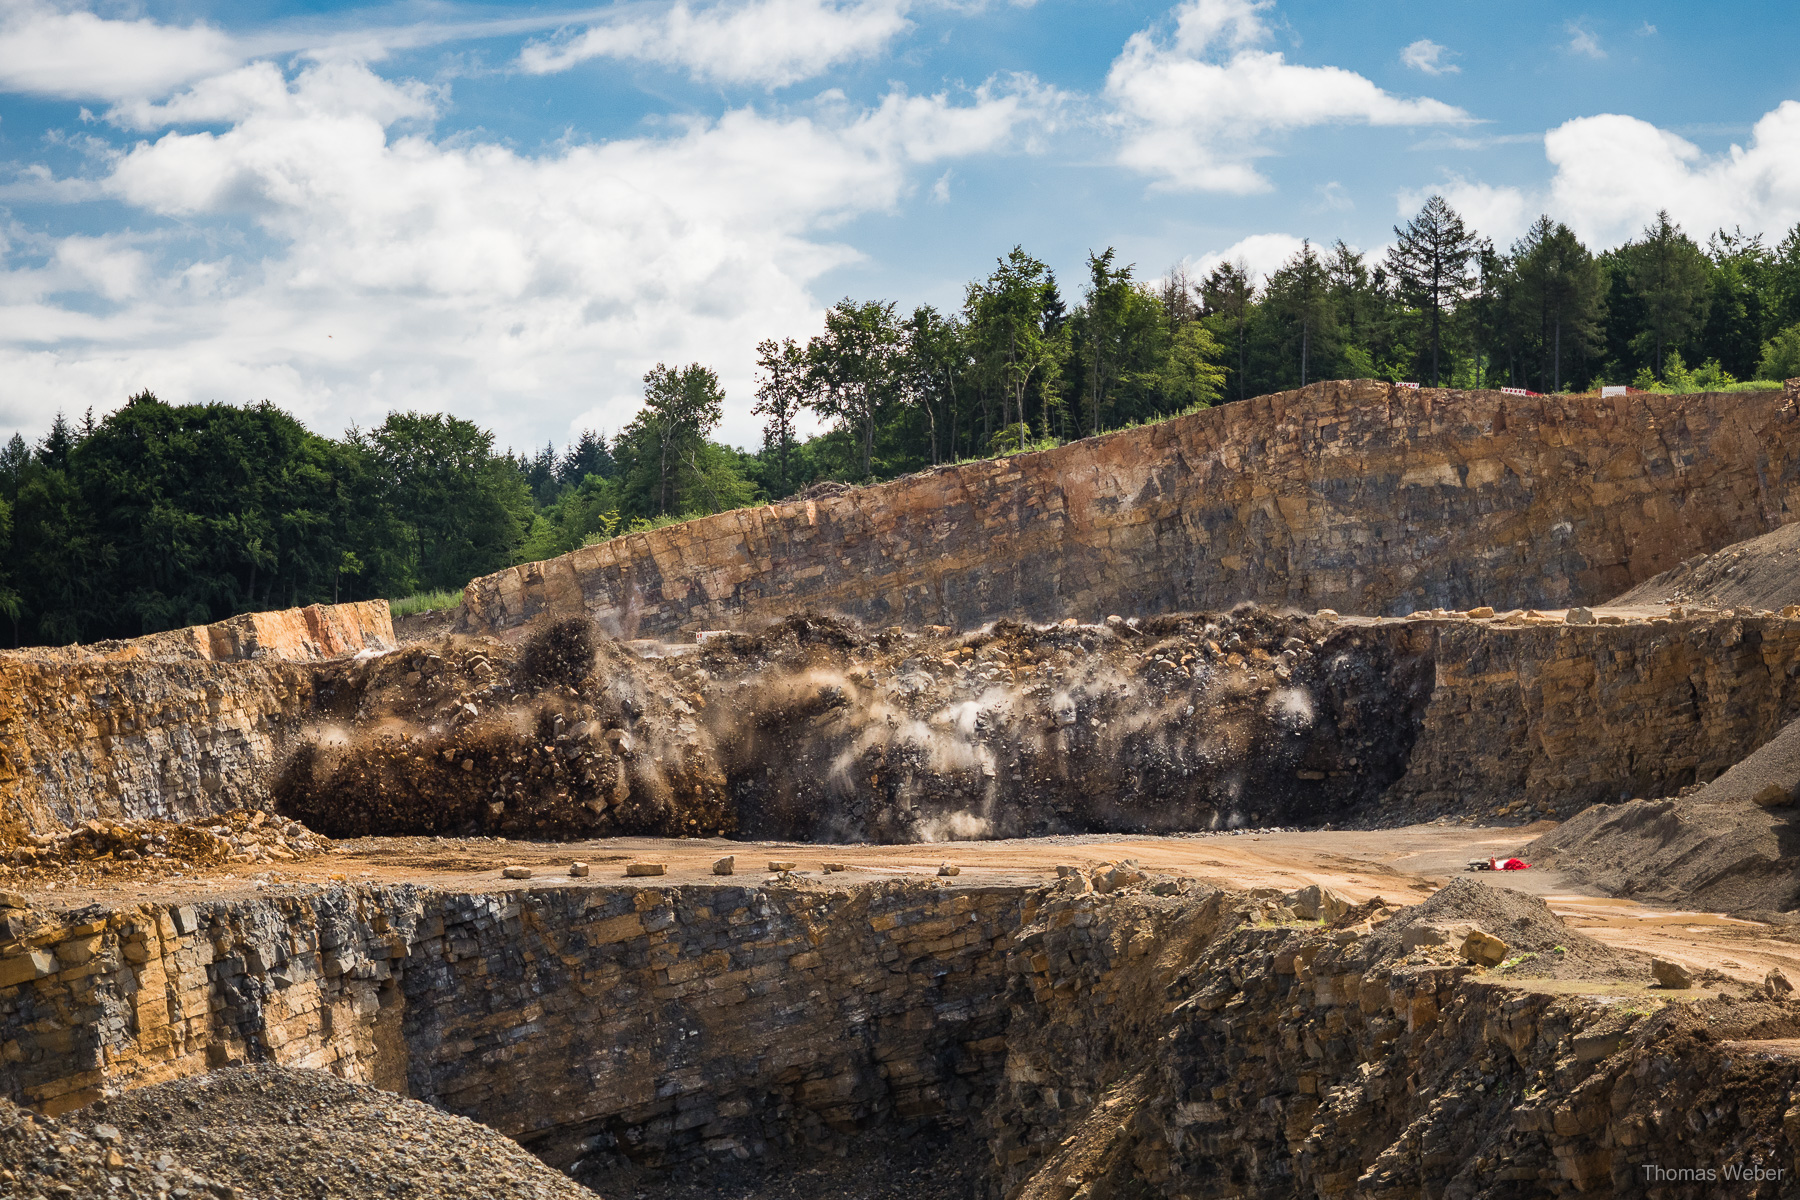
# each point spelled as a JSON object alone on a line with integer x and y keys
{"x": 151, "y": 846}
{"x": 567, "y": 736}
{"x": 815, "y": 729}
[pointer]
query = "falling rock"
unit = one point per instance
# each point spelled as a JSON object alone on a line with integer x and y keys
{"x": 949, "y": 869}
{"x": 831, "y": 868}
{"x": 13, "y": 900}
{"x": 1671, "y": 974}
{"x": 578, "y": 870}
{"x": 726, "y": 865}
{"x": 515, "y": 872}
{"x": 1481, "y": 612}
{"x": 1776, "y": 984}
{"x": 1580, "y": 616}
{"x": 645, "y": 868}
{"x": 782, "y": 865}
{"x": 1483, "y": 949}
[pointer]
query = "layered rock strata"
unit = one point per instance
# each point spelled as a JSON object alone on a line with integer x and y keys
{"x": 173, "y": 725}
{"x": 1358, "y": 496}
{"x": 1163, "y": 1043}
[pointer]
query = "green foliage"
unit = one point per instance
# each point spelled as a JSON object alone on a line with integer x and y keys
{"x": 157, "y": 515}
{"x": 1781, "y": 355}
{"x": 421, "y": 602}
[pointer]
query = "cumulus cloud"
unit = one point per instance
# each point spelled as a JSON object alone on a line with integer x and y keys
{"x": 771, "y": 43}
{"x": 1199, "y": 107}
{"x": 1613, "y": 173}
{"x": 48, "y": 50}
{"x": 1501, "y": 213}
{"x": 1260, "y": 253}
{"x": 1427, "y": 56}
{"x": 343, "y": 266}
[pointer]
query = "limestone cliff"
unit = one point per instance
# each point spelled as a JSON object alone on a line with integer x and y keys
{"x": 170, "y": 725}
{"x": 1357, "y": 496}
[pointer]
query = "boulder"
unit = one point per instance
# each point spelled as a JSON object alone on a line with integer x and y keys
{"x": 1776, "y": 985}
{"x": 726, "y": 865}
{"x": 1580, "y": 616}
{"x": 1773, "y": 795}
{"x": 1113, "y": 876}
{"x": 515, "y": 872}
{"x": 1315, "y": 902}
{"x": 1670, "y": 974}
{"x": 578, "y": 870}
{"x": 645, "y": 868}
{"x": 1483, "y": 949}
{"x": 949, "y": 869}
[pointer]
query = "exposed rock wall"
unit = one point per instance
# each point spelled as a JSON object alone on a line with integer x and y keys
{"x": 1126, "y": 1044}
{"x": 1353, "y": 495}
{"x": 1555, "y": 718}
{"x": 1288, "y": 1062}
{"x": 172, "y": 725}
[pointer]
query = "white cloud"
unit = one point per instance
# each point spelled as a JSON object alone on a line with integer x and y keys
{"x": 1199, "y": 108}
{"x": 51, "y": 51}
{"x": 342, "y": 268}
{"x": 1260, "y": 253}
{"x": 1583, "y": 40}
{"x": 768, "y": 42}
{"x": 1501, "y": 213}
{"x": 1427, "y": 56}
{"x": 1613, "y": 173}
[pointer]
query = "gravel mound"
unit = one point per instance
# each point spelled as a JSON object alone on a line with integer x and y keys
{"x": 1543, "y": 947}
{"x": 1724, "y": 855}
{"x": 264, "y": 1132}
{"x": 1773, "y": 768}
{"x": 1763, "y": 572}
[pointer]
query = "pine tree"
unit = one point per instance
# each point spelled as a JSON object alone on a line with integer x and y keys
{"x": 1430, "y": 263}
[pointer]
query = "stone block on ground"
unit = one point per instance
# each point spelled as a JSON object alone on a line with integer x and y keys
{"x": 639, "y": 869}
{"x": 1483, "y": 949}
{"x": 1671, "y": 974}
{"x": 726, "y": 865}
{"x": 515, "y": 872}
{"x": 1316, "y": 902}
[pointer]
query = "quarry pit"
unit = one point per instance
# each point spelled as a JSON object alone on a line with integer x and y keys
{"x": 1140, "y": 875}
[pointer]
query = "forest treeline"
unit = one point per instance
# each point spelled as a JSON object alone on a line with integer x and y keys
{"x": 159, "y": 515}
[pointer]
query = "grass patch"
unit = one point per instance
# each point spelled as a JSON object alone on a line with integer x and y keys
{"x": 423, "y": 602}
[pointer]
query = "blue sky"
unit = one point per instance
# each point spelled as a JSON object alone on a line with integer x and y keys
{"x": 512, "y": 211}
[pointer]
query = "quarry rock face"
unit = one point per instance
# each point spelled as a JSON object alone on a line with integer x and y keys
{"x": 1160, "y": 1041}
{"x": 171, "y": 725}
{"x": 1353, "y": 495}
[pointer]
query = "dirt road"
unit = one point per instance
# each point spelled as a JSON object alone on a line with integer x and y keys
{"x": 1400, "y": 865}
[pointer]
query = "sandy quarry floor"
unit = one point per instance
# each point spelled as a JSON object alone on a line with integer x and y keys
{"x": 1400, "y": 865}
